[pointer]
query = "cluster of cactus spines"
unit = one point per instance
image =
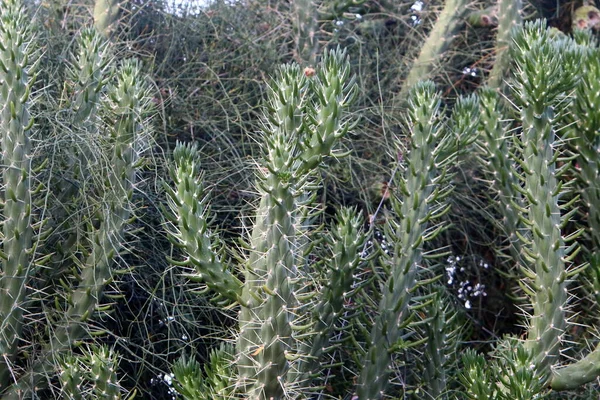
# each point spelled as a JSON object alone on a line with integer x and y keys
{"x": 17, "y": 72}
{"x": 91, "y": 375}
{"x": 509, "y": 17}
{"x": 305, "y": 118}
{"x": 417, "y": 203}
{"x": 439, "y": 39}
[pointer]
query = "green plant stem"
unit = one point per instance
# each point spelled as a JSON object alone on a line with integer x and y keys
{"x": 15, "y": 122}
{"x": 414, "y": 213}
{"x": 509, "y": 16}
{"x": 438, "y": 41}
{"x": 577, "y": 374}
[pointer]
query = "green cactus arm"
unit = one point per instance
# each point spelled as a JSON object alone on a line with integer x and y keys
{"x": 106, "y": 14}
{"x": 267, "y": 297}
{"x": 544, "y": 71}
{"x": 87, "y": 70}
{"x": 442, "y": 332}
{"x": 407, "y": 237}
{"x": 438, "y": 41}
{"x": 335, "y": 89}
{"x": 94, "y": 371}
{"x": 305, "y": 30}
{"x": 16, "y": 69}
{"x": 346, "y": 240}
{"x": 188, "y": 204}
{"x": 476, "y": 377}
{"x": 216, "y": 383}
{"x": 304, "y": 121}
{"x": 494, "y": 146}
{"x": 509, "y": 17}
{"x": 128, "y": 105}
{"x": 71, "y": 378}
{"x": 577, "y": 374}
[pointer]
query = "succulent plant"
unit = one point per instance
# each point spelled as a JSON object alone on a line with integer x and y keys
{"x": 107, "y": 116}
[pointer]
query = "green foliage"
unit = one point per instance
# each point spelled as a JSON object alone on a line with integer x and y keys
{"x": 278, "y": 349}
{"x": 64, "y": 212}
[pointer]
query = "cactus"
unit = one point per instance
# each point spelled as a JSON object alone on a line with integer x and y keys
{"x": 305, "y": 29}
{"x": 305, "y": 119}
{"x": 106, "y": 14}
{"x": 111, "y": 119}
{"x": 90, "y": 375}
{"x": 509, "y": 17}
{"x": 17, "y": 73}
{"x": 547, "y": 67}
{"x": 448, "y": 22}
{"x": 280, "y": 345}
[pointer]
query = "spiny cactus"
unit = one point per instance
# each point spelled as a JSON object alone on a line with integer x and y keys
{"x": 106, "y": 15}
{"x": 112, "y": 120}
{"x": 509, "y": 17}
{"x": 279, "y": 346}
{"x": 17, "y": 72}
{"x": 439, "y": 39}
{"x": 547, "y": 68}
{"x": 305, "y": 118}
{"x": 91, "y": 375}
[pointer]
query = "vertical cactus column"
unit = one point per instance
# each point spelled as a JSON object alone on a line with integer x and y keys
{"x": 299, "y": 134}
{"x": 106, "y": 14}
{"x": 345, "y": 239}
{"x": 304, "y": 119}
{"x": 586, "y": 138}
{"x": 414, "y": 209}
{"x": 544, "y": 70}
{"x": 509, "y": 17}
{"x": 438, "y": 41}
{"x": 495, "y": 147}
{"x": 16, "y": 70}
{"x": 127, "y": 109}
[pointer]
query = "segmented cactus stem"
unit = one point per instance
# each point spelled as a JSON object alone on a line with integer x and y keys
{"x": 509, "y": 17}
{"x": 16, "y": 70}
{"x": 413, "y": 210}
{"x": 545, "y": 70}
{"x": 438, "y": 41}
